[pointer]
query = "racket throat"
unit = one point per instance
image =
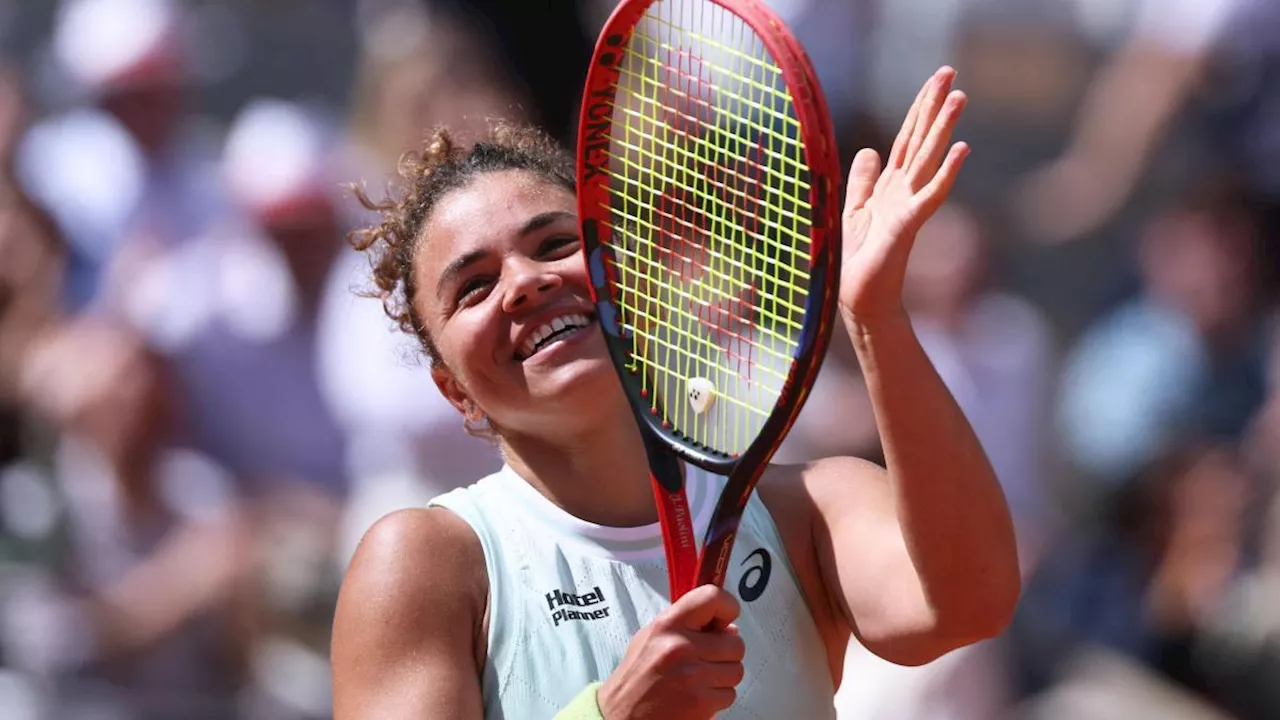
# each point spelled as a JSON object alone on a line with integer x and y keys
{"x": 674, "y": 517}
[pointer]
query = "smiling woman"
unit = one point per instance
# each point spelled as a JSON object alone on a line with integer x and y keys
{"x": 508, "y": 597}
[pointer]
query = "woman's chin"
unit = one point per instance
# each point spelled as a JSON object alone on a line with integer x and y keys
{"x": 592, "y": 377}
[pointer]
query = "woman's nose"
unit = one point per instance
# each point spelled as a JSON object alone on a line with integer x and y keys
{"x": 530, "y": 282}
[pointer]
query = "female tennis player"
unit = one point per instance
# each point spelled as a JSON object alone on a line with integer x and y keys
{"x": 541, "y": 591}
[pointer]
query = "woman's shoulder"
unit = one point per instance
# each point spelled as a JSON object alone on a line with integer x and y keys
{"x": 411, "y": 559}
{"x": 400, "y": 546}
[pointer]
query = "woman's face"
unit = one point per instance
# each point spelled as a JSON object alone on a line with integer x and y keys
{"x": 502, "y": 287}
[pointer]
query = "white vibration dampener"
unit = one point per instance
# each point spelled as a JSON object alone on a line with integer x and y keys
{"x": 702, "y": 394}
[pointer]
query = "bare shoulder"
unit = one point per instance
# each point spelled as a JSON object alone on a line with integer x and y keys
{"x": 413, "y": 559}
{"x": 407, "y": 628}
{"x": 406, "y": 537}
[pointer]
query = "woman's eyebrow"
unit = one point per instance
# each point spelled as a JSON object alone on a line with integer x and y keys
{"x": 541, "y": 220}
{"x": 456, "y": 268}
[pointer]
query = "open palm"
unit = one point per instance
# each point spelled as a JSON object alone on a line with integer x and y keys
{"x": 885, "y": 208}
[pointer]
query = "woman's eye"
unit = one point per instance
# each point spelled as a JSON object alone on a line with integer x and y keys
{"x": 559, "y": 246}
{"x": 471, "y": 289}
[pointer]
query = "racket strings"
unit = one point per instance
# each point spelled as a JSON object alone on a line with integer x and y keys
{"x": 701, "y": 106}
{"x": 711, "y": 227}
{"x": 740, "y": 192}
{"x": 650, "y": 75}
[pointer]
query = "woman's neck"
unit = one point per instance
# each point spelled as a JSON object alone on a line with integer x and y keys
{"x": 600, "y": 475}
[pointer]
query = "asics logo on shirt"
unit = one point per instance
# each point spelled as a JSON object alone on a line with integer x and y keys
{"x": 756, "y": 578}
{"x": 564, "y": 605}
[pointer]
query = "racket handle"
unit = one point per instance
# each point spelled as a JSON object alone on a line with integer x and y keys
{"x": 675, "y": 519}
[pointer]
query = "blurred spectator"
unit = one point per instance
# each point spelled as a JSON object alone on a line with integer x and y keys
{"x": 31, "y": 264}
{"x": 143, "y": 617}
{"x": 543, "y": 47}
{"x": 13, "y": 119}
{"x": 418, "y": 69}
{"x": 236, "y": 308}
{"x": 128, "y": 166}
{"x": 1187, "y": 355}
{"x": 1146, "y": 578}
{"x": 1205, "y": 72}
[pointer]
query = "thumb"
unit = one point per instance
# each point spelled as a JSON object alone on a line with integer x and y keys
{"x": 863, "y": 175}
{"x": 703, "y": 607}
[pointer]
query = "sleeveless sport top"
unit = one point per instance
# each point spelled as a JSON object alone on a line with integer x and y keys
{"x": 566, "y": 597}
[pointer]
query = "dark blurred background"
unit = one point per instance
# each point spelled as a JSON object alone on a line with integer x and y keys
{"x": 199, "y": 417}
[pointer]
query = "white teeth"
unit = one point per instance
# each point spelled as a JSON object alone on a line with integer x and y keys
{"x": 572, "y": 320}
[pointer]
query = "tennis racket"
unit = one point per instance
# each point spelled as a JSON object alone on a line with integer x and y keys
{"x": 708, "y": 180}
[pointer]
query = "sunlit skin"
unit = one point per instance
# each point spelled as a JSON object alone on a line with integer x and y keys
{"x": 880, "y": 552}
{"x": 501, "y": 258}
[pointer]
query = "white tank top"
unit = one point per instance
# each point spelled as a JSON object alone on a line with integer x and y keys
{"x": 566, "y": 596}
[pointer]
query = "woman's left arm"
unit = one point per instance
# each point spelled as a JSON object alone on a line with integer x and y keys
{"x": 919, "y": 558}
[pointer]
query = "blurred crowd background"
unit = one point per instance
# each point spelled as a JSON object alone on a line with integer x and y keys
{"x": 199, "y": 416}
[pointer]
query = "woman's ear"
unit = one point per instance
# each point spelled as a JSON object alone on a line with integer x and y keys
{"x": 456, "y": 394}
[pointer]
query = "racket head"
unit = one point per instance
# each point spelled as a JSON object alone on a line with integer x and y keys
{"x": 708, "y": 179}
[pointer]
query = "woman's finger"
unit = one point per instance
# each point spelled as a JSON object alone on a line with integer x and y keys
{"x": 900, "y": 143}
{"x": 929, "y": 158}
{"x": 862, "y": 180}
{"x": 720, "y": 647}
{"x": 935, "y": 193}
{"x": 722, "y": 675}
{"x": 939, "y": 88}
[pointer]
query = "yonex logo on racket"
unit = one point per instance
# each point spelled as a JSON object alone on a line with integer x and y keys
{"x": 595, "y": 144}
{"x": 599, "y": 109}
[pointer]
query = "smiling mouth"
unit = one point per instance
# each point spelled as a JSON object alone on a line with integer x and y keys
{"x": 549, "y": 332}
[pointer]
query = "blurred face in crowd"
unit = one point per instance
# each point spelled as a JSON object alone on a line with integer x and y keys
{"x": 102, "y": 385}
{"x": 946, "y": 265}
{"x": 446, "y": 81}
{"x": 1199, "y": 264}
{"x": 1196, "y": 502}
{"x": 1209, "y": 498}
{"x": 133, "y": 412}
{"x": 308, "y": 237}
{"x": 499, "y": 260}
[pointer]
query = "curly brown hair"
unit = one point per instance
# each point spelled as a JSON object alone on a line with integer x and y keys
{"x": 439, "y": 168}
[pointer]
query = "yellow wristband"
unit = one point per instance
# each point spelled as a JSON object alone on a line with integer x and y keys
{"x": 584, "y": 706}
